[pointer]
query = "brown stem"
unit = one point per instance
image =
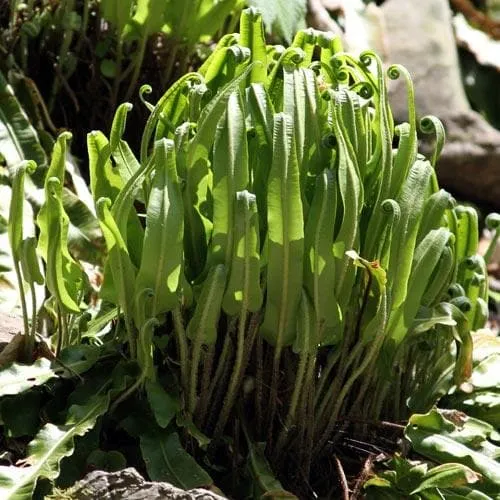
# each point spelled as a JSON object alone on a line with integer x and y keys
{"x": 375, "y": 423}
{"x": 259, "y": 384}
{"x": 273, "y": 396}
{"x": 478, "y": 18}
{"x": 362, "y": 477}
{"x": 182, "y": 348}
{"x": 217, "y": 400}
{"x": 208, "y": 361}
{"x": 236, "y": 377}
{"x": 342, "y": 478}
{"x": 297, "y": 393}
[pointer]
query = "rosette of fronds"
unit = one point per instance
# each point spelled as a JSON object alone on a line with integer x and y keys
{"x": 283, "y": 246}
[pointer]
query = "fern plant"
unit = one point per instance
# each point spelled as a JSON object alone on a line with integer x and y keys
{"x": 280, "y": 259}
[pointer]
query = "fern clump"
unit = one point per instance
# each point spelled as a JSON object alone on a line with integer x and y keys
{"x": 281, "y": 244}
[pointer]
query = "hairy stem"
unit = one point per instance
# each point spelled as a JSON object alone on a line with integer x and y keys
{"x": 292, "y": 410}
{"x": 28, "y": 341}
{"x": 193, "y": 380}
{"x": 236, "y": 376}
{"x": 60, "y": 332}
{"x": 208, "y": 361}
{"x": 32, "y": 336}
{"x": 273, "y": 396}
{"x": 222, "y": 366}
{"x": 333, "y": 358}
{"x": 259, "y": 376}
{"x": 180, "y": 334}
{"x": 377, "y": 343}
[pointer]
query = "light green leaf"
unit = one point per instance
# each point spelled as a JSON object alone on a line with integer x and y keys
{"x": 64, "y": 276}
{"x": 243, "y": 289}
{"x": 230, "y": 175}
{"x": 482, "y": 404}
{"x": 148, "y": 18}
{"x": 122, "y": 270}
{"x": 351, "y": 194}
{"x": 104, "y": 181}
{"x": 403, "y": 245}
{"x": 85, "y": 240}
{"x": 486, "y": 374}
{"x": 306, "y": 341}
{"x": 16, "y": 218}
{"x": 425, "y": 259}
{"x": 447, "y": 476}
{"x": 454, "y": 437}
{"x": 162, "y": 254}
{"x": 319, "y": 263}
{"x": 285, "y": 236}
{"x": 428, "y": 318}
{"x": 18, "y": 378}
{"x": 211, "y": 15}
{"x": 125, "y": 159}
{"x": 252, "y": 36}
{"x": 203, "y": 325}
{"x": 57, "y": 169}
{"x": 197, "y": 226}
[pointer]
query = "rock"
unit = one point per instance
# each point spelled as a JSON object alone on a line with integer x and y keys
{"x": 470, "y": 162}
{"x": 318, "y": 17}
{"x": 364, "y": 26}
{"x": 128, "y": 484}
{"x": 422, "y": 40}
{"x": 10, "y": 325}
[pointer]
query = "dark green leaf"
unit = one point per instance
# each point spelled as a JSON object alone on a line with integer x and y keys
{"x": 18, "y": 139}
{"x": 109, "y": 461}
{"x": 164, "y": 405}
{"x": 167, "y": 460}
{"x": 21, "y": 414}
